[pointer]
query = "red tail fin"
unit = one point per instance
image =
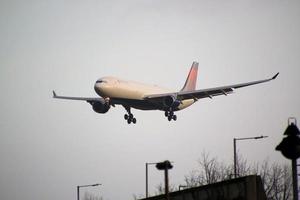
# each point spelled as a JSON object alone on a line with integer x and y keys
{"x": 190, "y": 83}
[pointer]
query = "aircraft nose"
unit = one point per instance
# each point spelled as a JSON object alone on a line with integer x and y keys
{"x": 98, "y": 87}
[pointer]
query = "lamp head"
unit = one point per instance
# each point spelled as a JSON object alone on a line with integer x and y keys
{"x": 290, "y": 145}
{"x": 164, "y": 165}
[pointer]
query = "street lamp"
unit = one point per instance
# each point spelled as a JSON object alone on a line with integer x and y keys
{"x": 165, "y": 166}
{"x": 234, "y": 150}
{"x": 80, "y": 186}
{"x": 154, "y": 163}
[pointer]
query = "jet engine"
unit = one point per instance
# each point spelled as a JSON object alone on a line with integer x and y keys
{"x": 171, "y": 102}
{"x": 100, "y": 106}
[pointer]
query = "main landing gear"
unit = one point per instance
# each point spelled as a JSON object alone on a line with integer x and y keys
{"x": 129, "y": 117}
{"x": 170, "y": 115}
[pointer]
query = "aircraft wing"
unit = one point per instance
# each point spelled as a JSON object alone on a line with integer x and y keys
{"x": 204, "y": 93}
{"x": 77, "y": 98}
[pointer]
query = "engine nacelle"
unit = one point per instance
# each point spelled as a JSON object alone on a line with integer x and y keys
{"x": 171, "y": 102}
{"x": 100, "y": 107}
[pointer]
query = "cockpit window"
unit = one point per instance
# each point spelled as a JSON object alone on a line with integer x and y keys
{"x": 101, "y": 81}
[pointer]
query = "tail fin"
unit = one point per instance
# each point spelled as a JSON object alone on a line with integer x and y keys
{"x": 190, "y": 83}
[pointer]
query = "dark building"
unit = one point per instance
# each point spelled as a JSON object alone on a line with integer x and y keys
{"x": 243, "y": 188}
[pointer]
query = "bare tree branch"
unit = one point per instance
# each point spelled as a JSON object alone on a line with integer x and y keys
{"x": 276, "y": 178}
{"x": 89, "y": 196}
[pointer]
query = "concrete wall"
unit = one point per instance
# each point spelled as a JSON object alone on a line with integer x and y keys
{"x": 244, "y": 188}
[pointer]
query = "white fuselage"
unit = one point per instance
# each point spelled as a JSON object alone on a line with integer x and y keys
{"x": 114, "y": 88}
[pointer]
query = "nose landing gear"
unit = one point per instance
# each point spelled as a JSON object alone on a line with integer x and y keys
{"x": 129, "y": 117}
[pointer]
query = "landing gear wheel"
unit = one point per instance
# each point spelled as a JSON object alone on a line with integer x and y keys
{"x": 125, "y": 116}
{"x": 134, "y": 120}
{"x": 169, "y": 118}
{"x": 128, "y": 120}
{"x": 166, "y": 113}
{"x": 174, "y": 117}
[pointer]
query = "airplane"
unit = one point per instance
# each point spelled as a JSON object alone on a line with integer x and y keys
{"x": 114, "y": 91}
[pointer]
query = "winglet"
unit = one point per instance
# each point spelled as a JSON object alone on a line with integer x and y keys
{"x": 275, "y": 76}
{"x": 54, "y": 94}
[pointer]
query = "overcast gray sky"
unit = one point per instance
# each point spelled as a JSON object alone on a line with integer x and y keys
{"x": 48, "y": 147}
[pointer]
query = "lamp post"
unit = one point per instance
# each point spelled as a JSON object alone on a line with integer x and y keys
{"x": 166, "y": 165}
{"x": 154, "y": 163}
{"x": 80, "y": 186}
{"x": 234, "y": 150}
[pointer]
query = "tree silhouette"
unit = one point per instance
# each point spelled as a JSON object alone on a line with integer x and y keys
{"x": 276, "y": 178}
{"x": 90, "y": 196}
